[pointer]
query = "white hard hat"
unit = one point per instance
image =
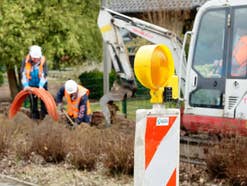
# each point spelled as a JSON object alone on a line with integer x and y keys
{"x": 71, "y": 86}
{"x": 35, "y": 51}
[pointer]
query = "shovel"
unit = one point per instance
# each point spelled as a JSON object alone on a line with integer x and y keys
{"x": 70, "y": 120}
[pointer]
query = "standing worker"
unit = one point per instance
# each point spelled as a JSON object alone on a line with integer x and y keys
{"x": 78, "y": 106}
{"x": 34, "y": 74}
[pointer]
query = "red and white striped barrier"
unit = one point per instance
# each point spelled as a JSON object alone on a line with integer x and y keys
{"x": 157, "y": 147}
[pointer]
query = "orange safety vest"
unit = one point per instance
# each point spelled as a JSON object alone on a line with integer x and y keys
{"x": 28, "y": 66}
{"x": 240, "y": 51}
{"x": 73, "y": 106}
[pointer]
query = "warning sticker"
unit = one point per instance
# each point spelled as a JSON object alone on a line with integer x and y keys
{"x": 164, "y": 121}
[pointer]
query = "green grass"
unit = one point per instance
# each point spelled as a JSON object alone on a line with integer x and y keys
{"x": 132, "y": 106}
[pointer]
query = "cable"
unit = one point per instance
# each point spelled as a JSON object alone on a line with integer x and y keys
{"x": 44, "y": 95}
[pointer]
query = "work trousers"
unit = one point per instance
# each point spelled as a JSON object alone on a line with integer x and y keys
{"x": 34, "y": 102}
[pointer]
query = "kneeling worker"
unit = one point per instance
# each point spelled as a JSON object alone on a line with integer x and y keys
{"x": 76, "y": 96}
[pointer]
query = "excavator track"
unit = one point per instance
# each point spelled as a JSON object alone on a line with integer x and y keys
{"x": 194, "y": 148}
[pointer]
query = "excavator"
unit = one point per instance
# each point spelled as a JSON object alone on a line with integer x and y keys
{"x": 213, "y": 92}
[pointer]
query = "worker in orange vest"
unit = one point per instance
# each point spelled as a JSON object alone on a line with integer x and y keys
{"x": 239, "y": 57}
{"x": 78, "y": 106}
{"x": 34, "y": 74}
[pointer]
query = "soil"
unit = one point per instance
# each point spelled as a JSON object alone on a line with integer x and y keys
{"x": 5, "y": 94}
{"x": 62, "y": 174}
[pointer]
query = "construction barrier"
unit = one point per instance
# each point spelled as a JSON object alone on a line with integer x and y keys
{"x": 156, "y": 157}
{"x": 44, "y": 95}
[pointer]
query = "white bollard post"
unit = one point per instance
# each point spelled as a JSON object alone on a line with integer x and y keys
{"x": 156, "y": 158}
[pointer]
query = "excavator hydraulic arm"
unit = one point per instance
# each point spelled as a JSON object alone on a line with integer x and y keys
{"x": 111, "y": 25}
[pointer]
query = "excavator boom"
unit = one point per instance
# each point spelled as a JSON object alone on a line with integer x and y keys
{"x": 111, "y": 23}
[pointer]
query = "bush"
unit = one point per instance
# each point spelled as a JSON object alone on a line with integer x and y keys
{"x": 142, "y": 91}
{"x": 22, "y": 142}
{"x": 50, "y": 141}
{"x": 23, "y": 149}
{"x": 228, "y": 160}
{"x": 119, "y": 150}
{"x": 84, "y": 148}
{"x": 94, "y": 82}
{"x": 5, "y": 136}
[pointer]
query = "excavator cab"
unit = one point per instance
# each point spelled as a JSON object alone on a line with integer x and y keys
{"x": 217, "y": 74}
{"x": 216, "y": 85}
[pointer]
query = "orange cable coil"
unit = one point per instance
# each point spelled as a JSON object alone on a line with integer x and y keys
{"x": 44, "y": 95}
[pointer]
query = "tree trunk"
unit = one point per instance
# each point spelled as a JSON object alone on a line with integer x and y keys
{"x": 56, "y": 64}
{"x": 13, "y": 86}
{"x": 19, "y": 78}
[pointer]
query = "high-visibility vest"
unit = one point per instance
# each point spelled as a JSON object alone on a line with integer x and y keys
{"x": 73, "y": 105}
{"x": 28, "y": 66}
{"x": 240, "y": 51}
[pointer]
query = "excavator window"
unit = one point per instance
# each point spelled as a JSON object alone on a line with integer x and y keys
{"x": 209, "y": 49}
{"x": 239, "y": 43}
{"x": 207, "y": 98}
{"x": 208, "y": 60}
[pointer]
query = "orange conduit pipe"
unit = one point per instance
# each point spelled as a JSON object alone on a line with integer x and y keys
{"x": 44, "y": 95}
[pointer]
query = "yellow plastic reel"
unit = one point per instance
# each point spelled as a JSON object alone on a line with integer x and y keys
{"x": 153, "y": 67}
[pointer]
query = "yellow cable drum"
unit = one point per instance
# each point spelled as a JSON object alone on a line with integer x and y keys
{"x": 153, "y": 67}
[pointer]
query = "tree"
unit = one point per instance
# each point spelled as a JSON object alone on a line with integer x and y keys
{"x": 1, "y": 77}
{"x": 65, "y": 29}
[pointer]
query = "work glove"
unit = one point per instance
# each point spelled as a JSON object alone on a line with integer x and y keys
{"x": 27, "y": 88}
{"x": 77, "y": 121}
{"x": 60, "y": 107}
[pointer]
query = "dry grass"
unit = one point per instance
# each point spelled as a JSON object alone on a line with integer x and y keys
{"x": 21, "y": 136}
{"x": 12, "y": 131}
{"x": 84, "y": 148}
{"x": 119, "y": 153}
{"x": 5, "y": 137}
{"x": 50, "y": 141}
{"x": 228, "y": 160}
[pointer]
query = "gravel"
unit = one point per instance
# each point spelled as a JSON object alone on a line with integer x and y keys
{"x": 41, "y": 173}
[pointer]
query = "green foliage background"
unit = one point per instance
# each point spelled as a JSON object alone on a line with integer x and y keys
{"x": 93, "y": 80}
{"x": 65, "y": 29}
